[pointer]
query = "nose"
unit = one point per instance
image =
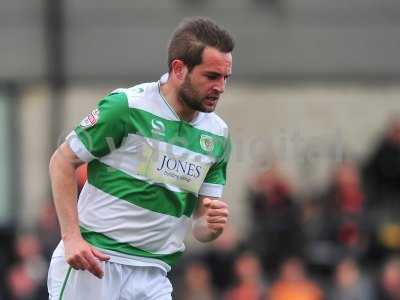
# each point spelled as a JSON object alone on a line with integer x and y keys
{"x": 220, "y": 85}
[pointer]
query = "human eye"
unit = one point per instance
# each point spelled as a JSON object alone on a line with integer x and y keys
{"x": 212, "y": 76}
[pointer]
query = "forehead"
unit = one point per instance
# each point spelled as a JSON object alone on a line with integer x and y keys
{"x": 214, "y": 60}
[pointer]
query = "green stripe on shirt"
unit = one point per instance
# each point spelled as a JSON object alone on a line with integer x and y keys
{"x": 104, "y": 242}
{"x": 138, "y": 192}
{"x": 178, "y": 133}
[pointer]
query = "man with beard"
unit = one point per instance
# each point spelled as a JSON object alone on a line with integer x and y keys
{"x": 157, "y": 157}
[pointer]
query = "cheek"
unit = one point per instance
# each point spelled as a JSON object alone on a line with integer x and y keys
{"x": 202, "y": 89}
{"x": 207, "y": 87}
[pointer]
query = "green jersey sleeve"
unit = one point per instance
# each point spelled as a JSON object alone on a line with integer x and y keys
{"x": 102, "y": 130}
{"x": 216, "y": 177}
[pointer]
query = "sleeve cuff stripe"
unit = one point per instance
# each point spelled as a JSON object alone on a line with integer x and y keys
{"x": 211, "y": 190}
{"x": 78, "y": 147}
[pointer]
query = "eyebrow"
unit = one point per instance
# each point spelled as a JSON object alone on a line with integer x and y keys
{"x": 217, "y": 74}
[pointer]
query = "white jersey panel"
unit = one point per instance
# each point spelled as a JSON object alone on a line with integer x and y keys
{"x": 128, "y": 223}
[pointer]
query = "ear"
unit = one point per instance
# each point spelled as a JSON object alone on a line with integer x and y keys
{"x": 179, "y": 69}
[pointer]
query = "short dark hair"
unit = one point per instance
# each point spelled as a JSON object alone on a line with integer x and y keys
{"x": 192, "y": 36}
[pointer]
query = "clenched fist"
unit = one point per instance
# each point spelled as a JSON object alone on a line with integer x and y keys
{"x": 210, "y": 219}
{"x": 216, "y": 214}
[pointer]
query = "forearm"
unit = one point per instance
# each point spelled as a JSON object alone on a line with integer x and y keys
{"x": 63, "y": 182}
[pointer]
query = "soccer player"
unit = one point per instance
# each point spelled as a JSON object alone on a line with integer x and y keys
{"x": 157, "y": 157}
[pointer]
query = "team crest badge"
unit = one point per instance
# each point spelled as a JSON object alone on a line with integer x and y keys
{"x": 91, "y": 119}
{"x": 206, "y": 143}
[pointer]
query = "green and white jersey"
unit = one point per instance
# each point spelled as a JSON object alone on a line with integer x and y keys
{"x": 146, "y": 170}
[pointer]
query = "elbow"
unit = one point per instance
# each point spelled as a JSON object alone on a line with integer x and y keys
{"x": 64, "y": 159}
{"x": 60, "y": 161}
{"x": 53, "y": 162}
{"x": 57, "y": 163}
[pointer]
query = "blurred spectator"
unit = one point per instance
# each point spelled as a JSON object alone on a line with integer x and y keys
{"x": 382, "y": 177}
{"x": 7, "y": 255}
{"x": 27, "y": 277}
{"x": 346, "y": 191}
{"x": 334, "y": 223}
{"x": 197, "y": 283}
{"x": 389, "y": 235}
{"x": 389, "y": 282}
{"x": 293, "y": 283}
{"x": 350, "y": 284}
{"x": 382, "y": 169}
{"x": 345, "y": 208}
{"x": 250, "y": 282}
{"x": 275, "y": 217}
{"x": 21, "y": 284}
{"x": 321, "y": 250}
{"x": 220, "y": 259}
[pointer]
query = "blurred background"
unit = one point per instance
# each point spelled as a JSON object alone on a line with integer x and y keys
{"x": 314, "y": 111}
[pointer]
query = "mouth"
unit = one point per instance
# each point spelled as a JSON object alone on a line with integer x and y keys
{"x": 211, "y": 100}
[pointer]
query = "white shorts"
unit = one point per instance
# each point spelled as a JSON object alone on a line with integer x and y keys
{"x": 120, "y": 282}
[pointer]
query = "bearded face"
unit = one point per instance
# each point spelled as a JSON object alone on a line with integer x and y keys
{"x": 204, "y": 83}
{"x": 194, "y": 98}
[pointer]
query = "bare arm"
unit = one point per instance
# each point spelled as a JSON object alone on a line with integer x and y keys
{"x": 210, "y": 218}
{"x": 78, "y": 253}
{"x": 62, "y": 168}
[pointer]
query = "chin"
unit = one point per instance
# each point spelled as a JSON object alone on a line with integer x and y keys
{"x": 208, "y": 109}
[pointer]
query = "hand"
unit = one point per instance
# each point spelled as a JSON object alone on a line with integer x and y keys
{"x": 216, "y": 215}
{"x": 81, "y": 256}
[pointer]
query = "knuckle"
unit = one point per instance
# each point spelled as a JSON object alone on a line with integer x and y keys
{"x": 73, "y": 264}
{"x": 71, "y": 260}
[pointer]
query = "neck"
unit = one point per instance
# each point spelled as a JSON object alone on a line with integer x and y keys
{"x": 170, "y": 94}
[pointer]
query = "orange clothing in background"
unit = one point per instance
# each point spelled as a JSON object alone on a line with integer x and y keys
{"x": 295, "y": 290}
{"x": 245, "y": 292}
{"x": 81, "y": 176}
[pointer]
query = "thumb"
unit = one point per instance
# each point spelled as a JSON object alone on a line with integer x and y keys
{"x": 207, "y": 202}
{"x": 100, "y": 255}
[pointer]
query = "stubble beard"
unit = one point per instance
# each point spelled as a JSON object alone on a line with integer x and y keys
{"x": 189, "y": 96}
